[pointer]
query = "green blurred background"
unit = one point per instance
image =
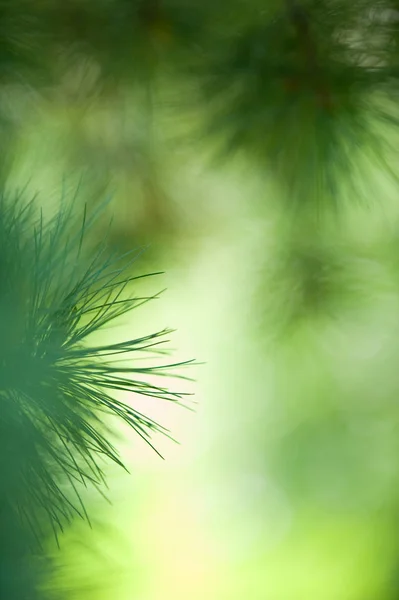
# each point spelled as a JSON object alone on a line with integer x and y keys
{"x": 284, "y": 484}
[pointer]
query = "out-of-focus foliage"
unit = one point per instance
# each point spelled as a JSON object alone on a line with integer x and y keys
{"x": 301, "y": 87}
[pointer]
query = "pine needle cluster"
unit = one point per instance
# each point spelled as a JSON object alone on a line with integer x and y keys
{"x": 58, "y": 387}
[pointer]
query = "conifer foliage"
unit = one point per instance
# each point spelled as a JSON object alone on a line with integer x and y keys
{"x": 302, "y": 86}
{"x": 56, "y": 387}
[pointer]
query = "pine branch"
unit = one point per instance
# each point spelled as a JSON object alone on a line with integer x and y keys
{"x": 301, "y": 21}
{"x": 57, "y": 388}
